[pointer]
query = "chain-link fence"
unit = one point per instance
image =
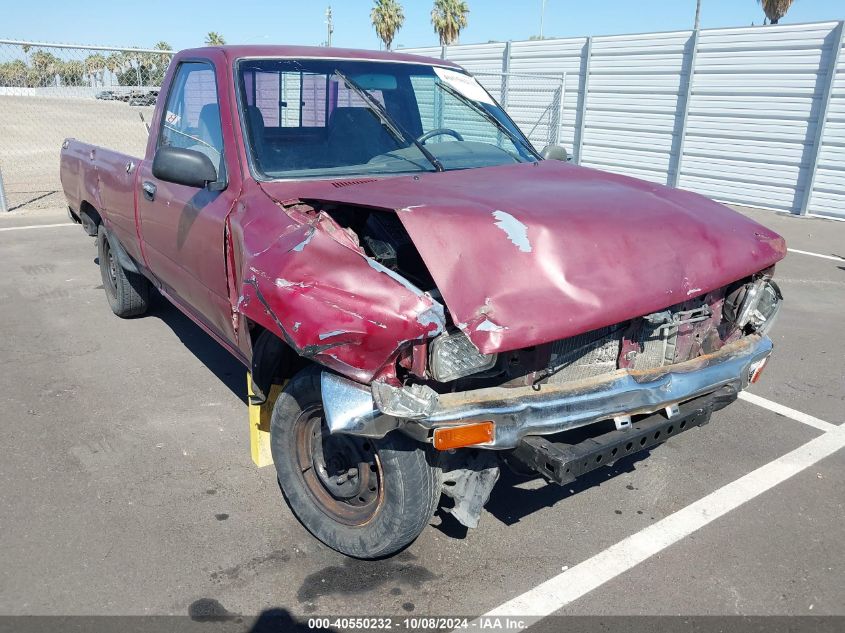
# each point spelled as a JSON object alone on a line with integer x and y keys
{"x": 52, "y": 91}
{"x": 534, "y": 102}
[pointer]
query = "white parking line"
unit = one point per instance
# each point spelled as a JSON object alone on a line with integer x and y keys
{"x": 833, "y": 257}
{"x": 790, "y": 413}
{"x": 35, "y": 226}
{"x": 556, "y": 593}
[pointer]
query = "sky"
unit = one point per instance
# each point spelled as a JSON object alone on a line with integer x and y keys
{"x": 184, "y": 23}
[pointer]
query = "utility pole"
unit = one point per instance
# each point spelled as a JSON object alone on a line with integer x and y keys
{"x": 542, "y": 16}
{"x": 4, "y": 204}
{"x": 697, "y": 14}
{"x": 329, "y": 26}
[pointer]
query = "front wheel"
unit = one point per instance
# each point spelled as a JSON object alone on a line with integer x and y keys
{"x": 365, "y": 498}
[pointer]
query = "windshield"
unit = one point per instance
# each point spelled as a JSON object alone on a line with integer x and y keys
{"x": 334, "y": 118}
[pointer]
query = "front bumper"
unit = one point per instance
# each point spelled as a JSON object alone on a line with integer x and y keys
{"x": 547, "y": 409}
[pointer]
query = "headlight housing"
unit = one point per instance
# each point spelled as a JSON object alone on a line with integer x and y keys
{"x": 755, "y": 305}
{"x": 453, "y": 356}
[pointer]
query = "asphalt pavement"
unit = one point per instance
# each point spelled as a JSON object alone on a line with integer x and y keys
{"x": 128, "y": 487}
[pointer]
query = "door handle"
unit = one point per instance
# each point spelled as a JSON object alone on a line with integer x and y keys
{"x": 149, "y": 190}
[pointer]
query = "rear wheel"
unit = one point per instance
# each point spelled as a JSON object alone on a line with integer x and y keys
{"x": 365, "y": 498}
{"x": 127, "y": 292}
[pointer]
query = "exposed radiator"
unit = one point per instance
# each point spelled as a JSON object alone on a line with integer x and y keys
{"x": 597, "y": 352}
{"x": 586, "y": 355}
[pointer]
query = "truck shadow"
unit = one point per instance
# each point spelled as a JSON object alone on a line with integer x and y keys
{"x": 207, "y": 351}
{"x": 511, "y": 501}
{"x": 208, "y": 612}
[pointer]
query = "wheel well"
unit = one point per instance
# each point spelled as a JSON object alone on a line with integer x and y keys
{"x": 89, "y": 217}
{"x": 273, "y": 361}
{"x": 88, "y": 209}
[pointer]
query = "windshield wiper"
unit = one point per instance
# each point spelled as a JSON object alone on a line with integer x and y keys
{"x": 501, "y": 126}
{"x": 388, "y": 122}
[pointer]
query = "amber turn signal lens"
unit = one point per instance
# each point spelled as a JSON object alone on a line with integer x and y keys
{"x": 466, "y": 435}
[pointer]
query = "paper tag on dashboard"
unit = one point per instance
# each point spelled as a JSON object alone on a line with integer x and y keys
{"x": 464, "y": 84}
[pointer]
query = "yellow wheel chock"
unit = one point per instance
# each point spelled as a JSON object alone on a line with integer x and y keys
{"x": 259, "y": 424}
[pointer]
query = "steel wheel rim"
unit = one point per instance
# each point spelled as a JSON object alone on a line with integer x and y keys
{"x": 112, "y": 266}
{"x": 342, "y": 473}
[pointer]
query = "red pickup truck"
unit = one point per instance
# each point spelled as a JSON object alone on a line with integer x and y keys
{"x": 438, "y": 298}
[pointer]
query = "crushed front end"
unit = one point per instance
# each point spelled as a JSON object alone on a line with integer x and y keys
{"x": 630, "y": 385}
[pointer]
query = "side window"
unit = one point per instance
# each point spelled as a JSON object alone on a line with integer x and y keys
{"x": 192, "y": 116}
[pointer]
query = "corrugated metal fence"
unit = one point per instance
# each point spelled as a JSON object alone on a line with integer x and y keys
{"x": 752, "y": 116}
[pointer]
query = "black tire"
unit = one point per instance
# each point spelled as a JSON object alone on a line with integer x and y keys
{"x": 128, "y": 292}
{"x": 398, "y": 488}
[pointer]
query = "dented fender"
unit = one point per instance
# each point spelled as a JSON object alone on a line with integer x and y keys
{"x": 300, "y": 275}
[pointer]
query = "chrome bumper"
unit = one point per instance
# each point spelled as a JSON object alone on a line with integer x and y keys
{"x": 522, "y": 411}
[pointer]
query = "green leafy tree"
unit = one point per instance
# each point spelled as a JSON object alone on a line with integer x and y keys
{"x": 128, "y": 76}
{"x": 387, "y": 18}
{"x": 448, "y": 18}
{"x": 135, "y": 73}
{"x": 214, "y": 39}
{"x": 775, "y": 9}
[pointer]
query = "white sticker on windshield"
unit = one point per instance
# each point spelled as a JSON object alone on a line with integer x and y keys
{"x": 171, "y": 118}
{"x": 464, "y": 84}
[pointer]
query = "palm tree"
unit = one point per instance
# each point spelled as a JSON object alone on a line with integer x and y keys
{"x": 214, "y": 39}
{"x": 45, "y": 67}
{"x": 448, "y": 18}
{"x": 775, "y": 9}
{"x": 155, "y": 64}
{"x": 72, "y": 72}
{"x": 115, "y": 63}
{"x": 95, "y": 66}
{"x": 14, "y": 73}
{"x": 387, "y": 17}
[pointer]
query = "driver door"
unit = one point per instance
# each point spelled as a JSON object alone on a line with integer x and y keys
{"x": 182, "y": 228}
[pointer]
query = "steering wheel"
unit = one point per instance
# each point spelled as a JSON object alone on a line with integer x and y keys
{"x": 439, "y": 132}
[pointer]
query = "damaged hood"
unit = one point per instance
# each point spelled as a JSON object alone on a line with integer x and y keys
{"x": 531, "y": 253}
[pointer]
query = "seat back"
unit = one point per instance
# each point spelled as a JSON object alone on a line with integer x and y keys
{"x": 257, "y": 130}
{"x": 211, "y": 134}
{"x": 356, "y": 135}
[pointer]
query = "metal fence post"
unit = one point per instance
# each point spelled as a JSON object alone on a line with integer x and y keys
{"x": 506, "y": 69}
{"x": 4, "y": 205}
{"x": 674, "y": 177}
{"x": 438, "y": 95}
{"x": 561, "y": 94}
{"x": 582, "y": 110}
{"x": 821, "y": 121}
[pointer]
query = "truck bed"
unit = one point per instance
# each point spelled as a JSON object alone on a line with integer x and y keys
{"x": 105, "y": 179}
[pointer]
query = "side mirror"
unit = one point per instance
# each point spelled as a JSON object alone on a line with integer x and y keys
{"x": 554, "y": 152}
{"x": 184, "y": 167}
